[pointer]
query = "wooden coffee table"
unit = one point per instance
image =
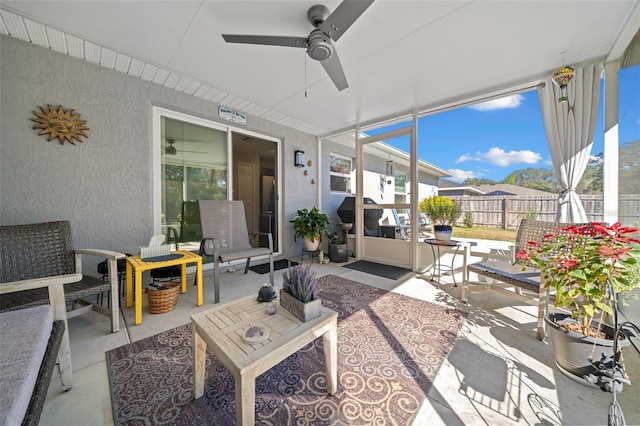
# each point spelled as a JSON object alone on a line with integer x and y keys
{"x": 221, "y": 328}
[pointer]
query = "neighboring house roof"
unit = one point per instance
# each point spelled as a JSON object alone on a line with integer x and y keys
{"x": 403, "y": 157}
{"x": 388, "y": 152}
{"x": 508, "y": 189}
{"x": 494, "y": 193}
{"x": 499, "y": 189}
{"x": 448, "y": 187}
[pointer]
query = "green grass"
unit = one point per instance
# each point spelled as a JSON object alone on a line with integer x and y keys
{"x": 485, "y": 233}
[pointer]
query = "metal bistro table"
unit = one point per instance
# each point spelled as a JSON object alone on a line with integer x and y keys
{"x": 438, "y": 266}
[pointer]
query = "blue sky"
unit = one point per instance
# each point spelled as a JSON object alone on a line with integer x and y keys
{"x": 492, "y": 139}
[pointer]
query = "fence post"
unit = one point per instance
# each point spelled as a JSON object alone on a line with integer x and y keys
{"x": 504, "y": 213}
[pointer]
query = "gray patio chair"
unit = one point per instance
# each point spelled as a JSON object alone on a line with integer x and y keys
{"x": 225, "y": 237}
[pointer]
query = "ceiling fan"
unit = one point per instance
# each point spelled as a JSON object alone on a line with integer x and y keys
{"x": 172, "y": 150}
{"x": 329, "y": 26}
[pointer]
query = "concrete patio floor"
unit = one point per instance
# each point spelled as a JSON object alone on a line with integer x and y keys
{"x": 497, "y": 373}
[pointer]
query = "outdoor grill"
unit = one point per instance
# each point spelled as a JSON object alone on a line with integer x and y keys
{"x": 347, "y": 214}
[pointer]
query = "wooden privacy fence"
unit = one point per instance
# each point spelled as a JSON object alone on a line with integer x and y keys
{"x": 507, "y": 211}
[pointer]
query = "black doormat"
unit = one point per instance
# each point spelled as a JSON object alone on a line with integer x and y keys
{"x": 277, "y": 265}
{"x": 386, "y": 271}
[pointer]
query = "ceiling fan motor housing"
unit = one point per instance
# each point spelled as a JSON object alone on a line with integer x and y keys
{"x": 317, "y": 14}
{"x": 319, "y": 46}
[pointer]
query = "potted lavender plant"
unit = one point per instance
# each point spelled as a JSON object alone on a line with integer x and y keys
{"x": 299, "y": 293}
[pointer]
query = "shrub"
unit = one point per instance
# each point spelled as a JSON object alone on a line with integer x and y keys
{"x": 468, "y": 219}
{"x": 440, "y": 209}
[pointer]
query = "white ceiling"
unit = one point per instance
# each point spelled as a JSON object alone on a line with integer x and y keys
{"x": 399, "y": 55}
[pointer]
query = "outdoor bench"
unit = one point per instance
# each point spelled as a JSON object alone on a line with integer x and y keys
{"x": 511, "y": 272}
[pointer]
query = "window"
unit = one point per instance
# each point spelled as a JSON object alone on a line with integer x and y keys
{"x": 340, "y": 173}
{"x": 401, "y": 183}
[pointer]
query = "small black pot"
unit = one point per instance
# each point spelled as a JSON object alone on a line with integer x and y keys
{"x": 572, "y": 350}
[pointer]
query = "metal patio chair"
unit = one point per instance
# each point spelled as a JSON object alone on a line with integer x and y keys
{"x": 225, "y": 237}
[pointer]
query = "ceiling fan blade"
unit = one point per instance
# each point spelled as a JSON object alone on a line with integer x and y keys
{"x": 343, "y": 17}
{"x": 333, "y": 67}
{"x": 266, "y": 40}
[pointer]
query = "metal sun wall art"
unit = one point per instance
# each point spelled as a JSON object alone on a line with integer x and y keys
{"x": 60, "y": 123}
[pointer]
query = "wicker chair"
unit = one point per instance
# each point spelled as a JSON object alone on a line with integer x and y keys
{"x": 38, "y": 265}
{"x": 225, "y": 237}
{"x": 509, "y": 272}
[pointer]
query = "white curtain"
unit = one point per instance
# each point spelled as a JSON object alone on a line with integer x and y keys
{"x": 570, "y": 127}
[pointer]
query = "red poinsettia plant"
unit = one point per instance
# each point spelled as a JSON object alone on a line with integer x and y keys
{"x": 579, "y": 260}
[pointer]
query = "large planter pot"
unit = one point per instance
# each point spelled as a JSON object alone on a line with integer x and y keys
{"x": 303, "y": 311}
{"x": 442, "y": 232}
{"x": 338, "y": 252}
{"x": 572, "y": 350}
{"x": 311, "y": 245}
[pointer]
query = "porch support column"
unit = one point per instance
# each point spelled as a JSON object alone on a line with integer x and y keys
{"x": 611, "y": 143}
{"x": 359, "y": 219}
{"x": 413, "y": 197}
{"x": 320, "y": 178}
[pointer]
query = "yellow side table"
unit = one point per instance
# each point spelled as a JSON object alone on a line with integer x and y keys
{"x": 135, "y": 262}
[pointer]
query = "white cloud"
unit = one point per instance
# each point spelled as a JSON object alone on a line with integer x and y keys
{"x": 595, "y": 160}
{"x": 512, "y": 101}
{"x": 461, "y": 175}
{"x": 500, "y": 157}
{"x": 466, "y": 157}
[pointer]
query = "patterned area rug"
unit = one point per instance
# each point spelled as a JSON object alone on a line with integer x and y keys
{"x": 390, "y": 348}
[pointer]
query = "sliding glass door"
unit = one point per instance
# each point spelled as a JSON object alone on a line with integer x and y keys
{"x": 198, "y": 159}
{"x": 193, "y": 167}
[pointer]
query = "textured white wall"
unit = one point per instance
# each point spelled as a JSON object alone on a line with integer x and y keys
{"x": 103, "y": 186}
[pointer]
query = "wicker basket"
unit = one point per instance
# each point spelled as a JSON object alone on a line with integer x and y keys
{"x": 161, "y": 301}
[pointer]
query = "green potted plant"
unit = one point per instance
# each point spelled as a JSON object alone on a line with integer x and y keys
{"x": 311, "y": 225}
{"x": 299, "y": 294}
{"x": 582, "y": 263}
{"x": 443, "y": 213}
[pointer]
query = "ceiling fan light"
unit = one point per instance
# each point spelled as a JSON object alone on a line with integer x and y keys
{"x": 320, "y": 47}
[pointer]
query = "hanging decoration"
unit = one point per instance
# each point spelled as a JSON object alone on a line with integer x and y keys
{"x": 389, "y": 170}
{"x": 61, "y": 124}
{"x": 561, "y": 78}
